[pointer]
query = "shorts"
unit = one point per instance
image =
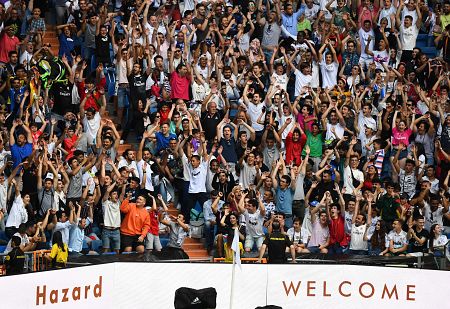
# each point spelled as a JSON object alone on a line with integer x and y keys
{"x": 153, "y": 242}
{"x": 111, "y": 239}
{"x": 130, "y": 241}
{"x": 251, "y": 240}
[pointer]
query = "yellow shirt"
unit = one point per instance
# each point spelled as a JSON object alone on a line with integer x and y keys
{"x": 445, "y": 20}
{"x": 61, "y": 256}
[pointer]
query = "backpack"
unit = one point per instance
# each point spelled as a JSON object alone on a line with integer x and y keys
{"x": 196, "y": 228}
{"x": 187, "y": 298}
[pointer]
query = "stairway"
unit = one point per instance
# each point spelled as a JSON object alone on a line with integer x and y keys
{"x": 193, "y": 247}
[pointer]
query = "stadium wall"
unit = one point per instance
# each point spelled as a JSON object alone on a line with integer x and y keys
{"x": 153, "y": 285}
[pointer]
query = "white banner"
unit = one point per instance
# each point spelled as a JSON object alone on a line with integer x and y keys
{"x": 345, "y": 286}
{"x": 153, "y": 285}
{"x": 90, "y": 286}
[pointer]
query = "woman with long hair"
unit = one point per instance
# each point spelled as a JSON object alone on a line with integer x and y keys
{"x": 437, "y": 241}
{"x": 377, "y": 243}
{"x": 231, "y": 222}
{"x": 60, "y": 252}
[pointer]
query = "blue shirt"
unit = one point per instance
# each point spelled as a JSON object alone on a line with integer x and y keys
{"x": 19, "y": 153}
{"x": 162, "y": 142}
{"x": 284, "y": 200}
{"x": 290, "y": 21}
{"x": 66, "y": 46}
{"x": 208, "y": 213}
{"x": 76, "y": 237}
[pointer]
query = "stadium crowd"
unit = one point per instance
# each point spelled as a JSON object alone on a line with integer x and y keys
{"x": 321, "y": 116}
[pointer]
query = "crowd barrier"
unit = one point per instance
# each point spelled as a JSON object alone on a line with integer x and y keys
{"x": 153, "y": 285}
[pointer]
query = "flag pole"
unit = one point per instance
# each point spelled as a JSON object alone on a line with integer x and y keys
{"x": 232, "y": 282}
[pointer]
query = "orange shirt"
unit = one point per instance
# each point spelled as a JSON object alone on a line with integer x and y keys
{"x": 136, "y": 221}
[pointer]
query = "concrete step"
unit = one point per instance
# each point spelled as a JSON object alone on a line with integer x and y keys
{"x": 199, "y": 253}
{"x": 193, "y": 246}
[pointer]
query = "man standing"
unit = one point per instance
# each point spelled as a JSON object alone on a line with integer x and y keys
{"x": 276, "y": 243}
{"x": 254, "y": 219}
{"x": 135, "y": 225}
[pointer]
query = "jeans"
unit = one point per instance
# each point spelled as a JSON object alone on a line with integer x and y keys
{"x": 111, "y": 239}
{"x": 336, "y": 249}
{"x": 123, "y": 95}
{"x": 210, "y": 231}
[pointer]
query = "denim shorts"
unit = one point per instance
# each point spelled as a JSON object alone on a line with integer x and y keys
{"x": 111, "y": 239}
{"x": 250, "y": 241}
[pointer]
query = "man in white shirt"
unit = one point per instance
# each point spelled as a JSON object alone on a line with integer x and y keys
{"x": 353, "y": 177}
{"x": 197, "y": 168}
{"x": 366, "y": 32}
{"x": 128, "y": 160}
{"x": 64, "y": 223}
{"x": 111, "y": 220}
{"x": 328, "y": 66}
{"x": 254, "y": 107}
{"x": 408, "y": 31}
{"x": 358, "y": 241}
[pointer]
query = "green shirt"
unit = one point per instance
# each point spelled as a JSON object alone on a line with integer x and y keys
{"x": 314, "y": 143}
{"x": 302, "y": 25}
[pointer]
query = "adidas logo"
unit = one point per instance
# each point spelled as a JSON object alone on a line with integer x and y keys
{"x": 196, "y": 301}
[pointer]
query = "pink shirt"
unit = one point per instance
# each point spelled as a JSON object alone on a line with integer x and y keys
{"x": 401, "y": 137}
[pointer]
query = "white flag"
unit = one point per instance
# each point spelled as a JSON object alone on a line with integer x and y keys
{"x": 236, "y": 249}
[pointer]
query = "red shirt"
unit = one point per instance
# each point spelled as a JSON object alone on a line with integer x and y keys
{"x": 180, "y": 86}
{"x": 337, "y": 231}
{"x": 294, "y": 149}
{"x": 95, "y": 100}
{"x": 7, "y": 44}
{"x": 154, "y": 223}
{"x": 69, "y": 145}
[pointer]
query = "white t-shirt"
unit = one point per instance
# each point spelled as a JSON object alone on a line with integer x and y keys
{"x": 437, "y": 216}
{"x": 301, "y": 81}
{"x": 91, "y": 127}
{"x": 197, "y": 176}
{"x": 357, "y": 241}
{"x": 254, "y": 112}
{"x": 338, "y": 129}
{"x": 148, "y": 175}
{"x": 348, "y": 180}
{"x": 311, "y": 13}
{"x": 18, "y": 214}
{"x": 408, "y": 36}
{"x": 364, "y": 38}
{"x": 329, "y": 74}
{"x": 111, "y": 214}
{"x": 254, "y": 223}
{"x": 295, "y": 237}
{"x": 131, "y": 165}
{"x": 399, "y": 239}
{"x": 281, "y": 80}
